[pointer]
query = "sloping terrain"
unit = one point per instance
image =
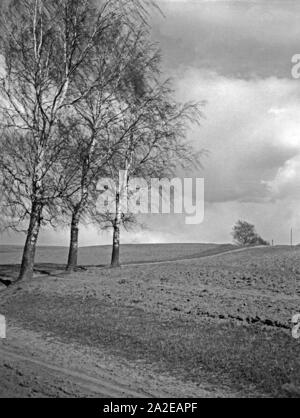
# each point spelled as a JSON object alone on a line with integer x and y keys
{"x": 101, "y": 255}
{"x": 217, "y": 325}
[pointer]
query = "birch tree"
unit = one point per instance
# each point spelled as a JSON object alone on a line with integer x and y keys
{"x": 152, "y": 130}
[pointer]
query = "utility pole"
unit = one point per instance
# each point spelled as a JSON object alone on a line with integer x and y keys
{"x": 291, "y": 237}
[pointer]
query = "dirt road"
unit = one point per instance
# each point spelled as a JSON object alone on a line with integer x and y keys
{"x": 33, "y": 365}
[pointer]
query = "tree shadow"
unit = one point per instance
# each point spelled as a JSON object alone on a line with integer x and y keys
{"x": 10, "y": 272}
{"x": 6, "y": 282}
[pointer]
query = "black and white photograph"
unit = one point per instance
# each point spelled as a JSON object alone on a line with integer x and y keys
{"x": 150, "y": 202}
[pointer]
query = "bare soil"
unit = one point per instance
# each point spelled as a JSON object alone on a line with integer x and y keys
{"x": 216, "y": 325}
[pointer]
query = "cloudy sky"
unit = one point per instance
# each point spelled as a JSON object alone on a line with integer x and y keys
{"x": 235, "y": 55}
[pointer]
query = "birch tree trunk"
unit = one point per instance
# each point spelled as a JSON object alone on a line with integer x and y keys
{"x": 27, "y": 265}
{"x": 73, "y": 248}
{"x": 115, "y": 258}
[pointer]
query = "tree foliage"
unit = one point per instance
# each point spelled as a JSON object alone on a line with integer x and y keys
{"x": 244, "y": 234}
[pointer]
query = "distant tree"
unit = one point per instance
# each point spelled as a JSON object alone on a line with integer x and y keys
{"x": 244, "y": 234}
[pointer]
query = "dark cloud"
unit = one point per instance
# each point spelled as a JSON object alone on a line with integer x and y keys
{"x": 243, "y": 39}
